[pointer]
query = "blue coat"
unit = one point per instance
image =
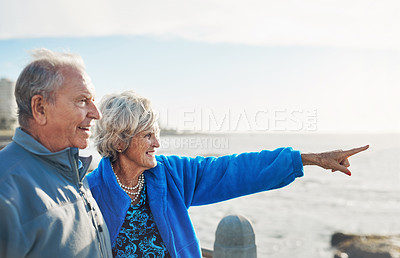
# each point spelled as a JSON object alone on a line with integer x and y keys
{"x": 177, "y": 183}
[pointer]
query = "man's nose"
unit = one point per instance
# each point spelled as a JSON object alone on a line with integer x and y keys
{"x": 94, "y": 112}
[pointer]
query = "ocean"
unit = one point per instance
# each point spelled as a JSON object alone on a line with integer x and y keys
{"x": 297, "y": 221}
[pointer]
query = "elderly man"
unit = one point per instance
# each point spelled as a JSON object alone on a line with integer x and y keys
{"x": 46, "y": 207}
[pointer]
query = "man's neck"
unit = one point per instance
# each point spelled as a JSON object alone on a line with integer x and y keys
{"x": 40, "y": 135}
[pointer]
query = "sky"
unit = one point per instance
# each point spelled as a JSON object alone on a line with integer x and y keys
{"x": 255, "y": 66}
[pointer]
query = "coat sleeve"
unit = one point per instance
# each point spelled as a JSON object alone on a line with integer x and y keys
{"x": 208, "y": 180}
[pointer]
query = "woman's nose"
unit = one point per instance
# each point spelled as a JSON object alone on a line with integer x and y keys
{"x": 156, "y": 142}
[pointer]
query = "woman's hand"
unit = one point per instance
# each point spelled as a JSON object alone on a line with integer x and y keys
{"x": 334, "y": 160}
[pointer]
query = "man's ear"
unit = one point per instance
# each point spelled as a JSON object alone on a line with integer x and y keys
{"x": 38, "y": 105}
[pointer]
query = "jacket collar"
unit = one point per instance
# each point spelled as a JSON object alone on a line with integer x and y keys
{"x": 155, "y": 179}
{"x": 115, "y": 191}
{"x": 66, "y": 160}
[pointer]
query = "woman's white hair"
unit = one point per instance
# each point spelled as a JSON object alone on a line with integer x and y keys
{"x": 123, "y": 116}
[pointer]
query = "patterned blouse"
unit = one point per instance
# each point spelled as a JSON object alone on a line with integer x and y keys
{"x": 139, "y": 235}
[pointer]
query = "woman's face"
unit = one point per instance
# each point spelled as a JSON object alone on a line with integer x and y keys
{"x": 142, "y": 149}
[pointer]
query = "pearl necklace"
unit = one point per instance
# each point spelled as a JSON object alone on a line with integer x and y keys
{"x": 128, "y": 189}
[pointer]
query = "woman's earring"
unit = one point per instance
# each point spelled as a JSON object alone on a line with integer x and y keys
{"x": 119, "y": 150}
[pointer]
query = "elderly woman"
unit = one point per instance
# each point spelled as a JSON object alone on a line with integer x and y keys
{"x": 145, "y": 198}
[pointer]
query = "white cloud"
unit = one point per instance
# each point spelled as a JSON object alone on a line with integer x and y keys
{"x": 343, "y": 23}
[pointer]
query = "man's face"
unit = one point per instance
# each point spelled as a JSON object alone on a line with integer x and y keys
{"x": 69, "y": 119}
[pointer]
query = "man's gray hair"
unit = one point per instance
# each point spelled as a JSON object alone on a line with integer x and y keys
{"x": 123, "y": 116}
{"x": 43, "y": 76}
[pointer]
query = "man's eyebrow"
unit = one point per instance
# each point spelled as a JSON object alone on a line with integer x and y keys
{"x": 86, "y": 95}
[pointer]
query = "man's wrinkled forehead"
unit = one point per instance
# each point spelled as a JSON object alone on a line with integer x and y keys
{"x": 90, "y": 86}
{"x": 71, "y": 73}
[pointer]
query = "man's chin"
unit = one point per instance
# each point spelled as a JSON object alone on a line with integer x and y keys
{"x": 82, "y": 145}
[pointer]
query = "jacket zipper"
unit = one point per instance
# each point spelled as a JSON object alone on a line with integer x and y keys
{"x": 88, "y": 207}
{"x": 98, "y": 228}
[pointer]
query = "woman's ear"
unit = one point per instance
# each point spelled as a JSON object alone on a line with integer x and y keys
{"x": 120, "y": 146}
{"x": 38, "y": 105}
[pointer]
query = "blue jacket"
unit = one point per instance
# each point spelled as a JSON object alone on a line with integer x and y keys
{"x": 177, "y": 183}
{"x": 46, "y": 208}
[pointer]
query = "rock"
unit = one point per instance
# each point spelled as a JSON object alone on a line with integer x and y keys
{"x": 365, "y": 246}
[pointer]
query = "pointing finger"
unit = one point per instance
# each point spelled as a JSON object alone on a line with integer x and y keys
{"x": 351, "y": 152}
